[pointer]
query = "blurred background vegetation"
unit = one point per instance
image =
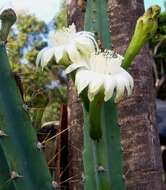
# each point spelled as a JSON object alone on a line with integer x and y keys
{"x": 158, "y": 50}
{"x": 43, "y": 91}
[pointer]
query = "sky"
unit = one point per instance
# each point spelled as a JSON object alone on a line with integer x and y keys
{"x": 43, "y": 9}
{"x": 148, "y": 3}
{"x": 46, "y": 9}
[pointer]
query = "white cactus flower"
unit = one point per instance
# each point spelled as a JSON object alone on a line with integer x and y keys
{"x": 67, "y": 45}
{"x": 102, "y": 73}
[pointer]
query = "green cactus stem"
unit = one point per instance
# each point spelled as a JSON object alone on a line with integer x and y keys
{"x": 95, "y": 117}
{"x": 90, "y": 178}
{"x": 26, "y": 163}
{"x": 102, "y": 156}
{"x": 5, "y": 179}
{"x": 97, "y": 21}
{"x": 146, "y": 27}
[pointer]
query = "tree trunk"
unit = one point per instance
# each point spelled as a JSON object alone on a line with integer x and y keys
{"x": 142, "y": 165}
{"x": 75, "y": 140}
{"x": 75, "y": 114}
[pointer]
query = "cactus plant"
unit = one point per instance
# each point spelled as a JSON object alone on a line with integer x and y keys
{"x": 103, "y": 157}
{"x": 5, "y": 181}
{"x": 26, "y": 166}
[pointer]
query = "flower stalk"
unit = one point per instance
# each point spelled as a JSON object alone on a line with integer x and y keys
{"x": 145, "y": 28}
{"x": 95, "y": 116}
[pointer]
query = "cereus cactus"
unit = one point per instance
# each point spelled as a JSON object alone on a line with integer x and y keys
{"x": 101, "y": 82}
{"x": 103, "y": 156}
{"x": 145, "y": 28}
{"x": 22, "y": 162}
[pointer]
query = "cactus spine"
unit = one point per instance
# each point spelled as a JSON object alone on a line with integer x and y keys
{"x": 5, "y": 181}
{"x": 102, "y": 157}
{"x": 22, "y": 153}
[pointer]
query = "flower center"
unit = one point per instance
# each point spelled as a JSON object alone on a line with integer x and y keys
{"x": 62, "y": 37}
{"x": 105, "y": 63}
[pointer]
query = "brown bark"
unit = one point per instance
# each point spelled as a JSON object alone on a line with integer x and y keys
{"x": 75, "y": 142}
{"x": 75, "y": 115}
{"x": 142, "y": 164}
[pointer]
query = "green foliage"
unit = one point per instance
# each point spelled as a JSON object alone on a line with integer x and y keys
{"x": 60, "y": 20}
{"x": 158, "y": 42}
{"x": 24, "y": 43}
{"x": 158, "y": 46}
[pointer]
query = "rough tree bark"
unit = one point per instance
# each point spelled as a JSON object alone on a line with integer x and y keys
{"x": 75, "y": 114}
{"x": 142, "y": 165}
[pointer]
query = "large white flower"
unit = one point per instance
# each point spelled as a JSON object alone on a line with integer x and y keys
{"x": 67, "y": 45}
{"x": 102, "y": 73}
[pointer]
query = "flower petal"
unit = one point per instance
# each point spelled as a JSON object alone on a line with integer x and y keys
{"x": 129, "y": 83}
{"x": 81, "y": 81}
{"x": 89, "y": 37}
{"x": 73, "y": 53}
{"x": 75, "y": 66}
{"x": 109, "y": 86}
{"x": 120, "y": 88}
{"x": 58, "y": 53}
{"x": 47, "y": 56}
{"x": 85, "y": 46}
{"x": 95, "y": 85}
{"x": 39, "y": 57}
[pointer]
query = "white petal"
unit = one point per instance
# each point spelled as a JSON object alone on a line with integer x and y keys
{"x": 47, "y": 56}
{"x": 72, "y": 28}
{"x": 73, "y": 53}
{"x": 94, "y": 85}
{"x": 39, "y": 57}
{"x": 81, "y": 81}
{"x": 89, "y": 37}
{"x": 58, "y": 53}
{"x": 129, "y": 83}
{"x": 109, "y": 86}
{"x": 120, "y": 88}
{"x": 75, "y": 66}
{"x": 85, "y": 48}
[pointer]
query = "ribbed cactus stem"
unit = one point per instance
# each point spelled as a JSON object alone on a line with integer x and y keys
{"x": 97, "y": 21}
{"x": 5, "y": 179}
{"x": 90, "y": 175}
{"x": 146, "y": 27}
{"x": 26, "y": 164}
{"x": 103, "y": 157}
{"x": 102, "y": 148}
{"x": 95, "y": 117}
